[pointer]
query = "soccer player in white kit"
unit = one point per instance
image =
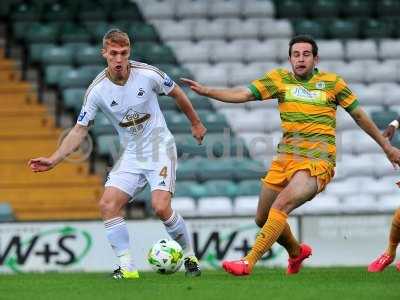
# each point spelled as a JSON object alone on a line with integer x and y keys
{"x": 126, "y": 91}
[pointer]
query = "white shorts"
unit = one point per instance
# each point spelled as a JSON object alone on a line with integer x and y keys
{"x": 161, "y": 177}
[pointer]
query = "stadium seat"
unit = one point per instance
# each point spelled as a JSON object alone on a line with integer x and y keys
{"x": 89, "y": 55}
{"x": 52, "y": 73}
{"x": 290, "y": 9}
{"x": 383, "y": 118}
{"x": 358, "y": 8}
{"x": 108, "y": 146}
{"x": 35, "y": 51}
{"x": 56, "y": 56}
{"x": 6, "y": 212}
{"x": 261, "y": 51}
{"x": 242, "y": 29}
{"x": 249, "y": 188}
{"x": 356, "y": 49}
{"x": 192, "y": 10}
{"x": 258, "y": 9}
{"x": 389, "y": 49}
{"x": 388, "y": 8}
{"x": 216, "y": 169}
{"x": 138, "y": 31}
{"x": 206, "y": 29}
{"x": 331, "y": 49}
{"x": 25, "y": 12}
{"x": 323, "y": 203}
{"x": 72, "y": 32}
{"x": 167, "y": 103}
{"x": 102, "y": 126}
{"x": 344, "y": 29}
{"x": 73, "y": 99}
{"x": 310, "y": 27}
{"x": 220, "y": 188}
{"x": 56, "y": 12}
{"x": 278, "y": 29}
{"x": 246, "y": 169}
{"x": 224, "y": 9}
{"x": 153, "y": 9}
{"x": 185, "y": 206}
{"x": 126, "y": 10}
{"x": 76, "y": 78}
{"x": 188, "y": 169}
{"x": 383, "y": 72}
{"x": 214, "y": 206}
{"x": 360, "y": 203}
{"x": 245, "y": 206}
{"x": 388, "y": 203}
{"x": 376, "y": 29}
{"x": 324, "y": 8}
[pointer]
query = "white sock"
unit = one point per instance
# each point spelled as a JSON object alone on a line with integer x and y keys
{"x": 178, "y": 231}
{"x": 118, "y": 237}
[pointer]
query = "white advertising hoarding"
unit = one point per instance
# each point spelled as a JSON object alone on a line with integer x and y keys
{"x": 82, "y": 246}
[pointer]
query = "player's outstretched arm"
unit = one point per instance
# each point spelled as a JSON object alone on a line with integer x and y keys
{"x": 183, "y": 102}
{"x": 70, "y": 143}
{"x": 366, "y": 124}
{"x": 233, "y": 95}
{"x": 391, "y": 129}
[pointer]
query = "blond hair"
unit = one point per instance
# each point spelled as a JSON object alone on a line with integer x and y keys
{"x": 117, "y": 36}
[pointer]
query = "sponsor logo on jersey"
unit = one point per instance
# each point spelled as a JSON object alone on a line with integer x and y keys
{"x": 300, "y": 93}
{"x": 134, "y": 121}
{"x": 113, "y": 103}
{"x": 141, "y": 92}
{"x": 168, "y": 81}
{"x": 82, "y": 116}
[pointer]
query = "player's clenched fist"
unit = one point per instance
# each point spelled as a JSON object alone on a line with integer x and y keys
{"x": 40, "y": 164}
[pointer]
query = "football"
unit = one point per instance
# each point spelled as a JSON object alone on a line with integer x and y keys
{"x": 166, "y": 256}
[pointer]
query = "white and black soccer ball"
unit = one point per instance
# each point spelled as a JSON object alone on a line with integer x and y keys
{"x": 165, "y": 257}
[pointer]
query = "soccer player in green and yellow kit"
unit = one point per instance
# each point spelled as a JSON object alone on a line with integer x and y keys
{"x": 305, "y": 158}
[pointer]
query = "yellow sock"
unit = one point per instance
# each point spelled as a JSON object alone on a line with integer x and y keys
{"x": 289, "y": 242}
{"x": 267, "y": 236}
{"x": 394, "y": 237}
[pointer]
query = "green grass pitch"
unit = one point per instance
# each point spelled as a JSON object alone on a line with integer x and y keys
{"x": 271, "y": 284}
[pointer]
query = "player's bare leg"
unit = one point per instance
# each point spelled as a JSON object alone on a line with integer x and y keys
{"x": 301, "y": 188}
{"x": 111, "y": 204}
{"x": 176, "y": 228}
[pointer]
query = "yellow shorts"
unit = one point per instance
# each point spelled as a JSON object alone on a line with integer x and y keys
{"x": 284, "y": 166}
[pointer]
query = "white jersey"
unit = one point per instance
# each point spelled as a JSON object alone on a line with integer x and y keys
{"x": 134, "y": 111}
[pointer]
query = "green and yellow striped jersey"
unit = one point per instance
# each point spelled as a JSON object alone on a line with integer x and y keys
{"x": 307, "y": 110}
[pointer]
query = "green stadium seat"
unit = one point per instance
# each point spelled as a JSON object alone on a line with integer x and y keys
{"x": 57, "y": 56}
{"x": 158, "y": 54}
{"x": 89, "y": 55}
{"x": 248, "y": 169}
{"x": 344, "y": 29}
{"x": 188, "y": 169}
{"x": 188, "y": 147}
{"x": 178, "y": 123}
{"x": 291, "y": 9}
{"x": 76, "y": 46}
{"x": 388, "y": 8}
{"x": 96, "y": 29}
{"x": 215, "y": 122}
{"x": 376, "y": 29}
{"x": 52, "y": 73}
{"x": 56, "y": 12}
{"x": 167, "y": 103}
{"x": 216, "y": 169}
{"x": 5, "y": 7}
{"x": 25, "y": 12}
{"x": 220, "y": 188}
{"x": 325, "y": 8}
{"x": 199, "y": 102}
{"x": 309, "y": 27}
{"x": 127, "y": 11}
{"x": 190, "y": 188}
{"x": 73, "y": 99}
{"x": 35, "y": 51}
{"x": 358, "y": 8}
{"x": 175, "y": 71}
{"x": 90, "y": 11}
{"x": 42, "y": 33}
{"x": 72, "y": 32}
{"x": 6, "y": 212}
{"x": 249, "y": 188}
{"x": 20, "y": 30}
{"x": 107, "y": 146}
{"x": 142, "y": 32}
{"x": 383, "y": 118}
{"x": 75, "y": 78}
{"x": 102, "y": 126}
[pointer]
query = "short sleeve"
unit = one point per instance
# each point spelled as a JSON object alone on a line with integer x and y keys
{"x": 344, "y": 96}
{"x": 266, "y": 87}
{"x": 163, "y": 84}
{"x": 89, "y": 108}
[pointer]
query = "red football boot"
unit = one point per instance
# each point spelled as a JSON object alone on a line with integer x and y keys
{"x": 237, "y": 267}
{"x": 379, "y": 264}
{"x": 294, "y": 264}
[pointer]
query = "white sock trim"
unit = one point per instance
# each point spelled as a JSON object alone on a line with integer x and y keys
{"x": 172, "y": 220}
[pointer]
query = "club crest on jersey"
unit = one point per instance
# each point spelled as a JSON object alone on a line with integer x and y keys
{"x": 168, "y": 81}
{"x": 320, "y": 85}
{"x": 141, "y": 92}
{"x": 134, "y": 121}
